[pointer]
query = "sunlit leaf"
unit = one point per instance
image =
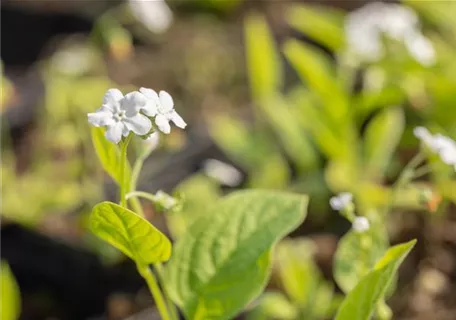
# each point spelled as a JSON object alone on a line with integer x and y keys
{"x": 299, "y": 274}
{"x": 273, "y": 305}
{"x": 272, "y": 173}
{"x": 197, "y": 192}
{"x": 109, "y": 155}
{"x": 324, "y": 25}
{"x": 382, "y": 137}
{"x": 10, "y": 297}
{"x": 223, "y": 261}
{"x": 263, "y": 62}
{"x": 293, "y": 137}
{"x": 357, "y": 254}
{"x": 316, "y": 71}
{"x": 360, "y": 303}
{"x": 130, "y": 233}
{"x": 252, "y": 150}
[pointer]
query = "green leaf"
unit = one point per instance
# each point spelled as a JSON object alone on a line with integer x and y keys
{"x": 109, "y": 155}
{"x": 322, "y": 24}
{"x": 351, "y": 263}
{"x": 311, "y": 116}
{"x": 10, "y": 297}
{"x": 197, "y": 191}
{"x": 292, "y": 135}
{"x": 360, "y": 303}
{"x": 273, "y": 305}
{"x": 223, "y": 261}
{"x": 383, "y": 135}
{"x": 273, "y": 173}
{"x": 299, "y": 274}
{"x": 263, "y": 61}
{"x": 316, "y": 71}
{"x": 130, "y": 233}
{"x": 253, "y": 150}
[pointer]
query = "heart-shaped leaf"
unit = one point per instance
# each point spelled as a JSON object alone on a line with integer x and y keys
{"x": 360, "y": 303}
{"x": 223, "y": 261}
{"x": 130, "y": 233}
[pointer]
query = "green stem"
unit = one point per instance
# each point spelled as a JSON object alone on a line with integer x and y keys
{"x": 421, "y": 171}
{"x": 135, "y": 203}
{"x": 171, "y": 306}
{"x": 135, "y": 173}
{"x": 155, "y": 291}
{"x": 123, "y": 163}
{"x": 405, "y": 177}
{"x": 141, "y": 194}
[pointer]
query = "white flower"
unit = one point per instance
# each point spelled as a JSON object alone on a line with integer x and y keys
{"x": 360, "y": 224}
{"x": 421, "y": 49}
{"x": 425, "y": 136}
{"x": 161, "y": 106}
{"x": 364, "y": 29}
{"x": 154, "y": 14}
{"x": 120, "y": 114}
{"x": 341, "y": 201}
{"x": 222, "y": 172}
{"x": 444, "y": 146}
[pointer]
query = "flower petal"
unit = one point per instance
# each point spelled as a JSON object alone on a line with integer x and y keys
{"x": 151, "y": 107}
{"x": 166, "y": 101}
{"x": 132, "y": 103}
{"x": 112, "y": 98}
{"x": 125, "y": 131}
{"x": 114, "y": 132}
{"x": 177, "y": 119}
{"x": 100, "y": 118}
{"x": 149, "y": 93}
{"x": 162, "y": 123}
{"x": 139, "y": 124}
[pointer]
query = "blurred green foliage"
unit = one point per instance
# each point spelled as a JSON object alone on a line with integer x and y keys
{"x": 306, "y": 294}
{"x": 347, "y": 120}
{"x": 10, "y": 297}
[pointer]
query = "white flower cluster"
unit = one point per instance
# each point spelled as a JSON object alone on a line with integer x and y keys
{"x": 155, "y": 15}
{"x": 444, "y": 146}
{"x": 133, "y": 112}
{"x": 366, "y": 26}
{"x": 341, "y": 201}
{"x": 360, "y": 224}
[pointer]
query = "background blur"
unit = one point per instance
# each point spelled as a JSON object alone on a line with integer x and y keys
{"x": 275, "y": 119}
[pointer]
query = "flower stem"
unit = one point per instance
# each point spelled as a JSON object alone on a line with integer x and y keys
{"x": 155, "y": 291}
{"x": 141, "y": 194}
{"x": 406, "y": 175}
{"x": 171, "y": 306}
{"x": 123, "y": 163}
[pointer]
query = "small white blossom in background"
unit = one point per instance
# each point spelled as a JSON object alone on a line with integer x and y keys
{"x": 364, "y": 29}
{"x": 360, "y": 224}
{"x": 155, "y": 15}
{"x": 341, "y": 201}
{"x": 120, "y": 114}
{"x": 164, "y": 200}
{"x": 161, "y": 106}
{"x": 444, "y": 146}
{"x": 222, "y": 172}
